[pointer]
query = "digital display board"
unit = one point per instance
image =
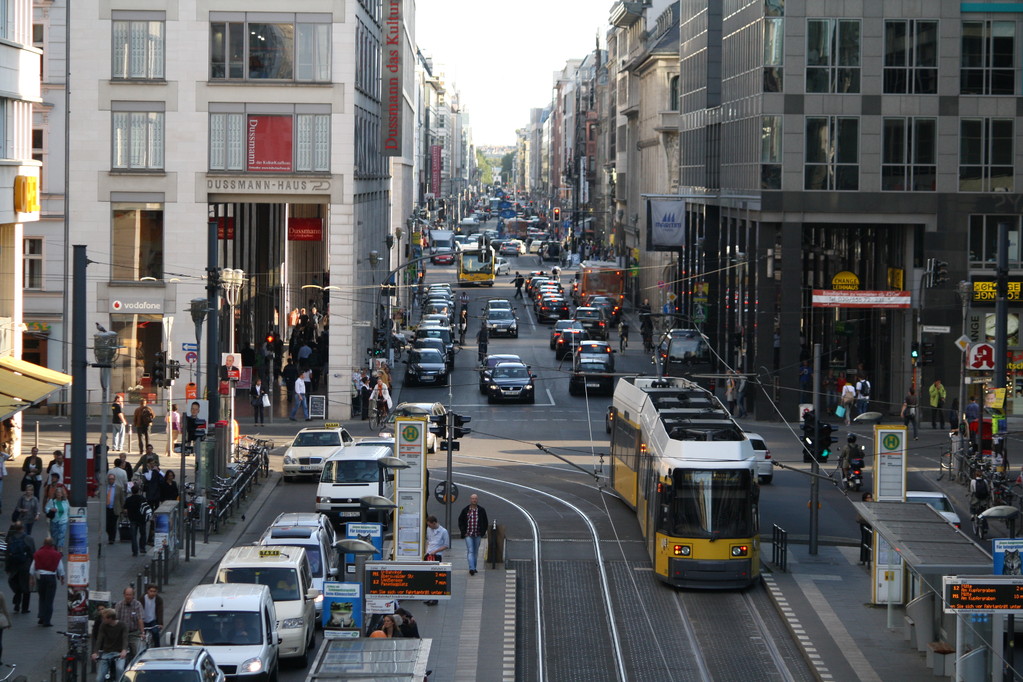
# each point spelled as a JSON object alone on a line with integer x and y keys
{"x": 426, "y": 580}
{"x": 989, "y": 594}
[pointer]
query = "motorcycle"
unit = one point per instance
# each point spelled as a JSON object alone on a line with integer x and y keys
{"x": 854, "y": 478}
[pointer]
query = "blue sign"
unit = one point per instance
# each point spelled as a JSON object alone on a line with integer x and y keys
{"x": 504, "y": 204}
{"x": 1008, "y": 556}
{"x": 342, "y": 610}
{"x": 185, "y": 347}
{"x": 372, "y": 533}
{"x": 507, "y": 213}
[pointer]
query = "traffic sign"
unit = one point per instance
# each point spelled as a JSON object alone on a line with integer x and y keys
{"x": 671, "y": 296}
{"x": 935, "y": 329}
{"x": 191, "y": 356}
{"x": 507, "y": 213}
{"x": 362, "y": 323}
{"x": 185, "y": 347}
{"x": 963, "y": 342}
{"x": 661, "y": 284}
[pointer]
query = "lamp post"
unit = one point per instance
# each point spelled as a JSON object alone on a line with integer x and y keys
{"x": 104, "y": 346}
{"x": 198, "y": 307}
{"x": 963, "y": 289}
{"x": 231, "y": 282}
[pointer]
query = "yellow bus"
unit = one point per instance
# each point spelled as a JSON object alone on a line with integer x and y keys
{"x": 476, "y": 267}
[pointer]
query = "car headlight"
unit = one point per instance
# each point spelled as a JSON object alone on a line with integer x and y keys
{"x": 513, "y": 326}
{"x": 292, "y": 623}
{"x": 528, "y": 387}
{"x": 288, "y": 459}
{"x": 493, "y": 387}
{"x": 319, "y": 598}
{"x": 253, "y": 665}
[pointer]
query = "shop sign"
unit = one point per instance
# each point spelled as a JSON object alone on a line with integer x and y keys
{"x": 37, "y": 327}
{"x": 393, "y": 56}
{"x": 983, "y": 290}
{"x": 436, "y": 165}
{"x": 831, "y": 298}
{"x": 981, "y": 357}
{"x": 896, "y": 278}
{"x": 305, "y": 229}
{"x": 845, "y": 281}
{"x": 242, "y": 185}
{"x": 269, "y": 141}
{"x": 142, "y": 303}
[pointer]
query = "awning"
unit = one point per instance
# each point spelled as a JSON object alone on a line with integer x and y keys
{"x": 22, "y": 384}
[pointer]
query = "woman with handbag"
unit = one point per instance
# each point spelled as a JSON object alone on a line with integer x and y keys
{"x": 260, "y": 400}
{"x": 57, "y": 509}
{"x": 27, "y": 510}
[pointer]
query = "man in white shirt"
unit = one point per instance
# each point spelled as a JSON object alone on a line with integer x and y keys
{"x": 300, "y": 399}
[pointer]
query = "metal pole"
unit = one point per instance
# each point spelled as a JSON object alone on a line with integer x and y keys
{"x": 814, "y": 465}
{"x": 964, "y": 294}
{"x": 101, "y": 568}
{"x": 1001, "y": 325}
{"x": 449, "y": 501}
{"x": 210, "y": 461}
{"x": 79, "y": 433}
{"x": 168, "y": 326}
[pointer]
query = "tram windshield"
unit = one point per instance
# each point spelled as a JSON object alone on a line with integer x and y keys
{"x": 711, "y": 504}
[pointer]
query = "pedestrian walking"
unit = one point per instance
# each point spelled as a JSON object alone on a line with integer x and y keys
{"x": 472, "y": 524}
{"x": 740, "y": 399}
{"x": 937, "y": 395}
{"x": 438, "y": 540}
{"x": 863, "y": 389}
{"x": 848, "y": 401}
{"x": 175, "y": 423}
{"x": 32, "y": 468}
{"x": 27, "y": 510}
{"x": 972, "y": 413}
{"x": 256, "y": 394}
{"x": 517, "y": 283}
{"x": 139, "y": 514}
{"x": 300, "y": 399}
{"x": 120, "y": 422}
{"x": 142, "y": 420}
{"x": 365, "y": 391}
{"x": 46, "y": 569}
{"x": 908, "y": 413}
{"x": 20, "y": 548}
{"x": 730, "y": 392}
{"x": 288, "y": 376}
{"x": 114, "y": 507}
{"x": 57, "y": 511}
{"x": 463, "y": 326}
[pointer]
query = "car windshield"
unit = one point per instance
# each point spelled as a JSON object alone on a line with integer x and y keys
{"x": 710, "y": 504}
{"x": 592, "y": 366}
{"x": 433, "y": 356}
{"x": 348, "y": 471}
{"x": 587, "y": 314}
{"x": 150, "y": 675}
{"x": 311, "y": 551}
{"x": 492, "y": 361}
{"x": 500, "y": 315}
{"x": 317, "y": 439}
{"x": 937, "y": 503}
{"x": 428, "y": 333}
{"x": 510, "y": 373}
{"x": 283, "y": 582}
{"x": 220, "y": 628}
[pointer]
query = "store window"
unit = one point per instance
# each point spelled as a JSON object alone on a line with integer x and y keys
{"x": 833, "y": 55}
{"x": 832, "y": 153}
{"x": 141, "y": 338}
{"x": 911, "y": 57}
{"x": 984, "y": 241}
{"x": 908, "y": 161}
{"x": 138, "y": 45}
{"x": 251, "y": 46}
{"x": 32, "y": 263}
{"x": 137, "y": 241}
{"x": 987, "y": 61}
{"x": 986, "y": 155}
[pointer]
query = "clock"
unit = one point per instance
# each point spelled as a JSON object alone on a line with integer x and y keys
{"x": 1011, "y": 326}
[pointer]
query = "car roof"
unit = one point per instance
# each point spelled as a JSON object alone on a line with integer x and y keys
{"x": 221, "y": 596}
{"x": 603, "y": 345}
{"x": 511, "y": 364}
{"x": 255, "y": 555}
{"x": 291, "y": 532}
{"x": 321, "y": 429}
{"x": 304, "y": 519}
{"x": 418, "y": 408}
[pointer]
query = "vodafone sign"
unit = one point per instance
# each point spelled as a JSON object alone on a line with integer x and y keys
{"x": 981, "y": 357}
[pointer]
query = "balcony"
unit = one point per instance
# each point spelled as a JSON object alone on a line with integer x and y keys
{"x": 625, "y": 14}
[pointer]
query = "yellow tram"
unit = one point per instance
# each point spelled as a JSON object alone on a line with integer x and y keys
{"x": 689, "y": 472}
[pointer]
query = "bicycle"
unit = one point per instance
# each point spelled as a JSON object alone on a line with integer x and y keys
{"x": 378, "y": 415}
{"x": 109, "y": 666}
{"x": 623, "y": 341}
{"x": 13, "y": 667}
{"x": 74, "y": 658}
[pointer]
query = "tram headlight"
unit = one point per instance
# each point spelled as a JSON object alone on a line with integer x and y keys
{"x": 682, "y": 550}
{"x": 740, "y": 550}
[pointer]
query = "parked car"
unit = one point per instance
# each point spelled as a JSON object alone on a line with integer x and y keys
{"x": 765, "y": 467}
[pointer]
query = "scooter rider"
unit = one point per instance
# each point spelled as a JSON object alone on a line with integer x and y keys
{"x": 852, "y": 451}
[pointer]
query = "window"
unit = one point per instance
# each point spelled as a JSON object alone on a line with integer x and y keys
{"x": 673, "y": 93}
{"x": 282, "y": 143}
{"x": 832, "y": 153}
{"x": 137, "y": 138}
{"x": 770, "y": 152}
{"x": 137, "y": 241}
{"x": 984, "y": 240}
{"x": 39, "y": 42}
{"x": 833, "y": 55}
{"x": 251, "y": 47}
{"x": 911, "y": 57}
{"x": 988, "y": 55}
{"x": 138, "y": 50}
{"x": 33, "y": 263}
{"x": 774, "y": 48}
{"x": 39, "y": 152}
{"x": 985, "y": 155}
{"x": 908, "y": 161}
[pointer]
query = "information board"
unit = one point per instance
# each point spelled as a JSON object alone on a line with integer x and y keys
{"x": 990, "y": 594}
{"x": 422, "y": 580}
{"x": 890, "y": 463}
{"x": 317, "y": 407}
{"x": 410, "y": 439}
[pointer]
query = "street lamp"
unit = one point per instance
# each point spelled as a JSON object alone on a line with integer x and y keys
{"x": 231, "y": 280}
{"x": 104, "y": 346}
{"x": 198, "y": 307}
{"x": 964, "y": 289}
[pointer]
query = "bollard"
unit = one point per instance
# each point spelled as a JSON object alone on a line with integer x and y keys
{"x": 166, "y": 565}
{"x": 53, "y": 675}
{"x": 187, "y": 530}
{"x": 138, "y": 583}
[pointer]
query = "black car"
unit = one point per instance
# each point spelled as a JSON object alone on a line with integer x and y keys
{"x": 436, "y": 344}
{"x": 568, "y": 342}
{"x": 609, "y": 305}
{"x": 593, "y": 321}
{"x": 511, "y": 381}
{"x": 559, "y": 327}
{"x": 552, "y": 308}
{"x": 442, "y": 333}
{"x": 502, "y": 322}
{"x": 489, "y": 363}
{"x": 592, "y": 373}
{"x": 426, "y": 366}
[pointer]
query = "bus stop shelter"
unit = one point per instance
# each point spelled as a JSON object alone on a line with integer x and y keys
{"x": 371, "y": 659}
{"x": 918, "y": 546}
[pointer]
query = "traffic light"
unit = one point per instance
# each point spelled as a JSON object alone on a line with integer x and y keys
{"x": 557, "y": 214}
{"x": 175, "y": 369}
{"x": 271, "y": 338}
{"x": 928, "y": 353}
{"x": 809, "y": 432}
{"x": 439, "y": 425}
{"x": 485, "y": 249}
{"x": 460, "y": 421}
{"x": 914, "y": 351}
{"x": 159, "y": 376}
{"x": 940, "y": 273}
{"x": 825, "y": 442}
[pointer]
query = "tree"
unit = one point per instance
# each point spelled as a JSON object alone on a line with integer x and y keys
{"x": 506, "y": 165}
{"x": 486, "y": 172}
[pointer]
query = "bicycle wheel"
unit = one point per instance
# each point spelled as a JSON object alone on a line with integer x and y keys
{"x": 375, "y": 419}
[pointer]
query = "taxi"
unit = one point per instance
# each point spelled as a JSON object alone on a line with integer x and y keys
{"x": 311, "y": 447}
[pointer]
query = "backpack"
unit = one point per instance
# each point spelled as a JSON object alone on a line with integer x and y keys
{"x": 17, "y": 551}
{"x": 980, "y": 489}
{"x": 865, "y": 388}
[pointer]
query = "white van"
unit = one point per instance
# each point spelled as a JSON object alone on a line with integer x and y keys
{"x": 285, "y": 571}
{"x": 238, "y": 626}
{"x": 349, "y": 474}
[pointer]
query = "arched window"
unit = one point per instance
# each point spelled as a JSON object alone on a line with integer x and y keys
{"x": 673, "y": 94}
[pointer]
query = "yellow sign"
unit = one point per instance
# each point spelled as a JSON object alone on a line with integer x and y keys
{"x": 845, "y": 281}
{"x": 269, "y": 553}
{"x": 331, "y": 425}
{"x": 896, "y": 279}
{"x": 26, "y": 194}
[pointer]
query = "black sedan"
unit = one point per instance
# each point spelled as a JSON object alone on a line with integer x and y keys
{"x": 568, "y": 342}
{"x": 426, "y": 366}
{"x": 511, "y": 381}
{"x": 489, "y": 363}
{"x": 502, "y": 323}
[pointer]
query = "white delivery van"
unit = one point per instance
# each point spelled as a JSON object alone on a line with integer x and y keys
{"x": 442, "y": 240}
{"x": 285, "y": 571}
{"x": 238, "y": 626}
{"x": 350, "y": 474}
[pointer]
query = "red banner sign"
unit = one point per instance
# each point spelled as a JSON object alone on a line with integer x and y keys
{"x": 305, "y": 229}
{"x": 392, "y": 68}
{"x": 225, "y": 228}
{"x": 833, "y": 298}
{"x": 269, "y": 140}
{"x": 436, "y": 164}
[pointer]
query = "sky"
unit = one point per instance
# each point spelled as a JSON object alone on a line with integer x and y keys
{"x": 502, "y": 56}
